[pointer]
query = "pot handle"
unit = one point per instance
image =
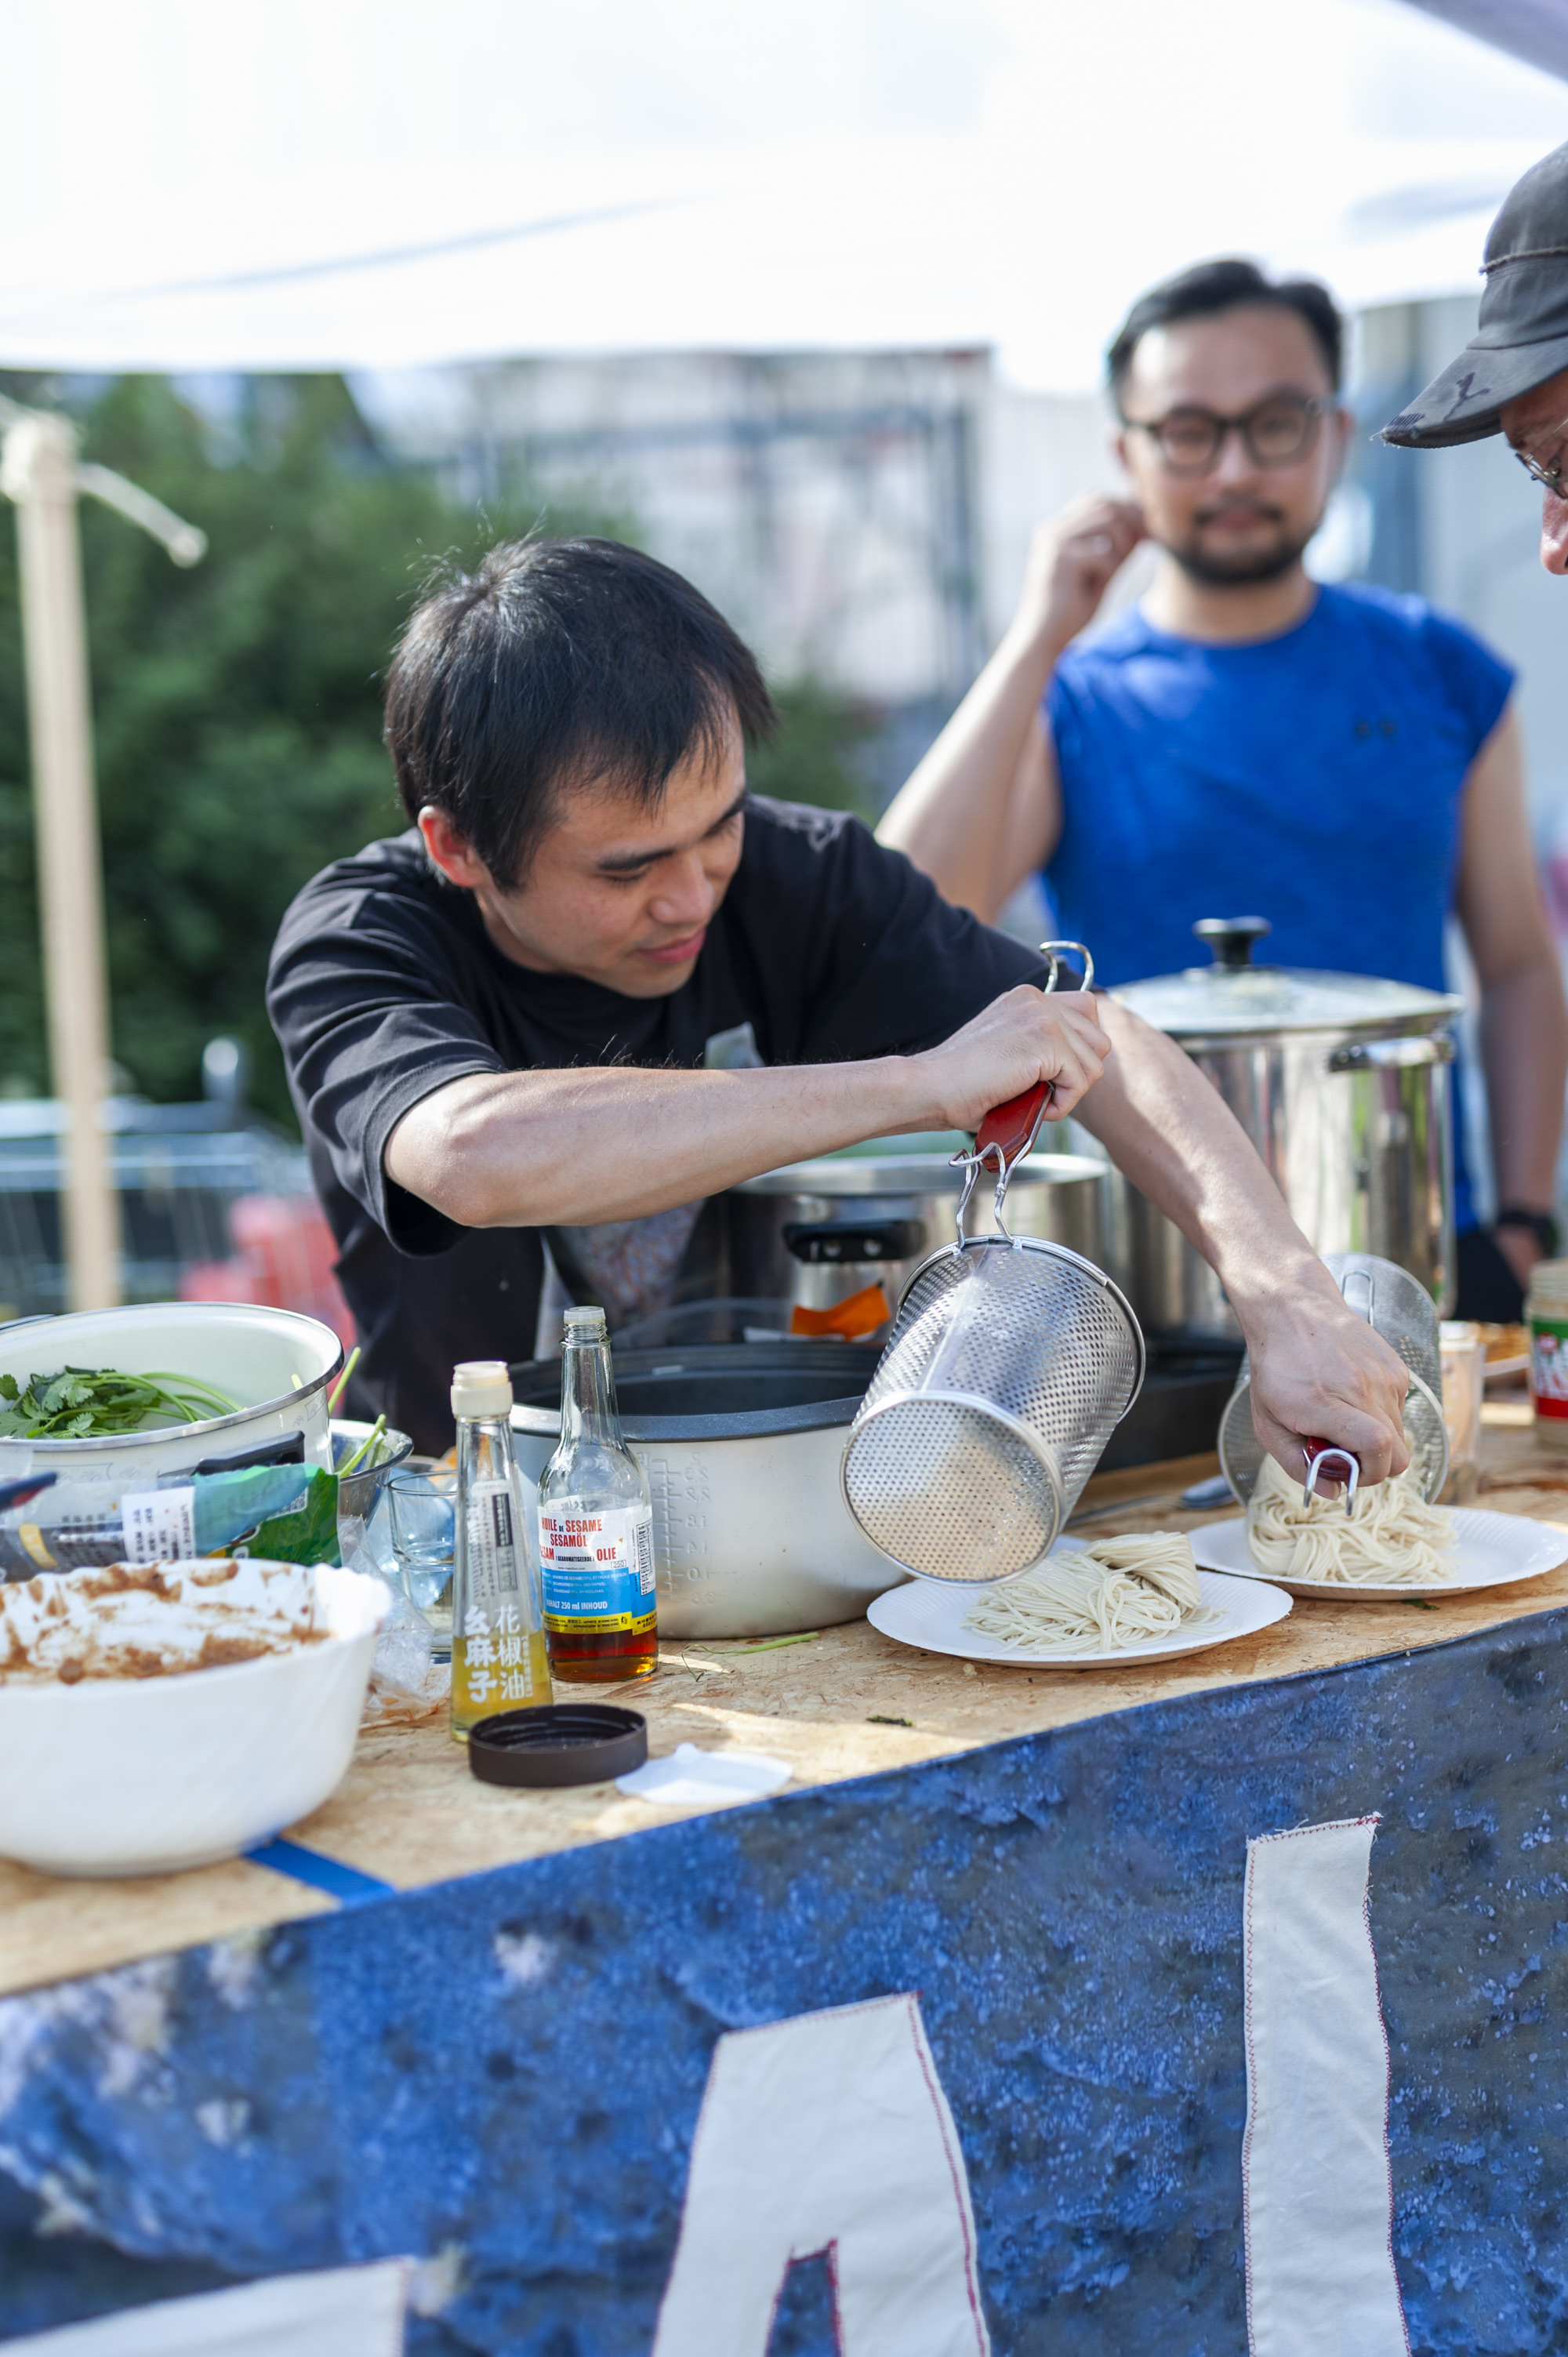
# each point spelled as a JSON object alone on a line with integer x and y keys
{"x": 820, "y": 1241}
{"x": 1317, "y": 1453}
{"x": 1392, "y": 1055}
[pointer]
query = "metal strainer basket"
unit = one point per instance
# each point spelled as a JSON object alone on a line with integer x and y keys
{"x": 1010, "y": 1363}
{"x": 1402, "y": 1312}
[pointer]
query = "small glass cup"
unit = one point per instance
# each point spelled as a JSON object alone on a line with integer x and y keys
{"x": 422, "y": 1508}
{"x": 1464, "y": 1388}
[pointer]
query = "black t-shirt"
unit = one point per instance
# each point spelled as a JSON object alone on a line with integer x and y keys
{"x": 384, "y": 985}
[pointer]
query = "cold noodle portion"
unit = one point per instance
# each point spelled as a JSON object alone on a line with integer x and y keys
{"x": 1113, "y": 1593}
{"x": 1394, "y": 1539}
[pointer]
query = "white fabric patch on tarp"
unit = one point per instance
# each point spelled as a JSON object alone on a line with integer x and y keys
{"x": 829, "y": 2132}
{"x": 330, "y": 2313}
{"x": 1316, "y": 2189}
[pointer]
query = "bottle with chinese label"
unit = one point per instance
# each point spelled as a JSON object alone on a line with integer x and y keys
{"x": 595, "y": 1525}
{"x": 499, "y": 1656}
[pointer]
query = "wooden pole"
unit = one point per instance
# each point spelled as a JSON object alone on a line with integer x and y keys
{"x": 40, "y": 474}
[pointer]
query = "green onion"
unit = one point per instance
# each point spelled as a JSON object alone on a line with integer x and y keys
{"x": 341, "y": 1385}
{"x": 371, "y": 1440}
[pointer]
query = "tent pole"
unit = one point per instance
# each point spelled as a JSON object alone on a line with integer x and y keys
{"x": 40, "y": 474}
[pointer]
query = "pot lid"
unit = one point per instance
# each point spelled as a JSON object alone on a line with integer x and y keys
{"x": 1235, "y": 995}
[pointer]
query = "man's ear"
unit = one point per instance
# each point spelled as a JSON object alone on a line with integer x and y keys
{"x": 450, "y": 850}
{"x": 1344, "y": 425}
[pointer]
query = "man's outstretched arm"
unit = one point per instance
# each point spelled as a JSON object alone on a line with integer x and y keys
{"x": 580, "y": 1146}
{"x": 1316, "y": 1368}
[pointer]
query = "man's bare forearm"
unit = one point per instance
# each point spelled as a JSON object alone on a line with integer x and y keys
{"x": 960, "y": 818}
{"x": 1316, "y": 1368}
{"x": 539, "y": 1148}
{"x": 1524, "y": 1053}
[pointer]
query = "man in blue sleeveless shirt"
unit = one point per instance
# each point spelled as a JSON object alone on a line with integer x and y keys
{"x": 1343, "y": 761}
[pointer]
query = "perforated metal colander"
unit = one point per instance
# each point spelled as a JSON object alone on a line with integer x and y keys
{"x": 1010, "y": 1363}
{"x": 1403, "y": 1313}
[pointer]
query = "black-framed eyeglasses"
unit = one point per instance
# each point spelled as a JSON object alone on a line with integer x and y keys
{"x": 1274, "y": 432}
{"x": 1549, "y": 478}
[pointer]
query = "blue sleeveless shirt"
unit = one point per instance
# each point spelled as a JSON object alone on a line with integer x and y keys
{"x": 1313, "y": 779}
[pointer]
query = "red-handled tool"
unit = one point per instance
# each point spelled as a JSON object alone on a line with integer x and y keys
{"x": 1008, "y": 1131}
{"x": 1318, "y": 1453}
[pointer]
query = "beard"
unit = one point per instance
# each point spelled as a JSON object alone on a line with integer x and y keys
{"x": 1220, "y": 570}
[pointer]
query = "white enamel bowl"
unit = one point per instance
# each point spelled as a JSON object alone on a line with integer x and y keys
{"x": 278, "y": 1365}
{"x": 125, "y": 1776}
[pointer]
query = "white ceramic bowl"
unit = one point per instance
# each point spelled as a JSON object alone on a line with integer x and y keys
{"x": 122, "y": 1776}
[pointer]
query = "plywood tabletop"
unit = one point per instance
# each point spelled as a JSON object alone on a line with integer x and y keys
{"x": 846, "y": 1702}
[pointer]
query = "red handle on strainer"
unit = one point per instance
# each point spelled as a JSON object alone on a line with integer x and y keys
{"x": 1009, "y": 1130}
{"x": 1315, "y": 1451}
{"x": 1013, "y": 1128}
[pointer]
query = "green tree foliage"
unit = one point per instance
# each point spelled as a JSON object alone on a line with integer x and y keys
{"x": 237, "y": 707}
{"x": 813, "y": 759}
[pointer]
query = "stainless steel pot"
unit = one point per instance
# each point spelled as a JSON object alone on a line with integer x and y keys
{"x": 1342, "y": 1084}
{"x": 814, "y": 1233}
{"x": 741, "y": 1446}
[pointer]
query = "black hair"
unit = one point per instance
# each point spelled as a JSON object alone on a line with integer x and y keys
{"x": 1213, "y": 286}
{"x": 554, "y": 663}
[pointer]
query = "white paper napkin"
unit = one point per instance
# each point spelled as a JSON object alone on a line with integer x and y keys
{"x": 692, "y": 1775}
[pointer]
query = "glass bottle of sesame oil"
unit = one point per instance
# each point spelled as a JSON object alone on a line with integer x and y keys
{"x": 595, "y": 1526}
{"x": 499, "y": 1656}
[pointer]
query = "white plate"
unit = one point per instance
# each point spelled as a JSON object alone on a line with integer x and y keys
{"x": 1493, "y": 1550}
{"x": 930, "y": 1613}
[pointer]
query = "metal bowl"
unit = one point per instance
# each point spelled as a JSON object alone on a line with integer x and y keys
{"x": 360, "y": 1493}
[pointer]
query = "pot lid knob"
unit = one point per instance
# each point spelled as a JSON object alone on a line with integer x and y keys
{"x": 1232, "y": 939}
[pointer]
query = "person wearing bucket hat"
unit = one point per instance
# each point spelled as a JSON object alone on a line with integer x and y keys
{"x": 1512, "y": 376}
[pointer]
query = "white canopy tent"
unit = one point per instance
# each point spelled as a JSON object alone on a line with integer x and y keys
{"x": 332, "y": 183}
{"x": 365, "y": 184}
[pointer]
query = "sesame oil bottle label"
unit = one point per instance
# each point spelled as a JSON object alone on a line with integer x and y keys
{"x": 598, "y": 1567}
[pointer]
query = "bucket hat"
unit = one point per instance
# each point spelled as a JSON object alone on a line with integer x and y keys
{"x": 1522, "y": 338}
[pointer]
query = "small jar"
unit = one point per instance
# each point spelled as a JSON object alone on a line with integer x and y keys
{"x": 1464, "y": 1380}
{"x": 1546, "y": 1313}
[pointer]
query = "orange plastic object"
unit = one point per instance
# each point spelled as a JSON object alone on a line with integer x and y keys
{"x": 863, "y": 1313}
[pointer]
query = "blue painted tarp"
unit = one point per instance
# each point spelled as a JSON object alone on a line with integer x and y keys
{"x": 503, "y": 2074}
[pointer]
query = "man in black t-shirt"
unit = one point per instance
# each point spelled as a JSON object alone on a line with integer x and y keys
{"x": 507, "y": 1021}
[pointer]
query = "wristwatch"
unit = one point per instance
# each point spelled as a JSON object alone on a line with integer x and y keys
{"x": 1542, "y": 1226}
